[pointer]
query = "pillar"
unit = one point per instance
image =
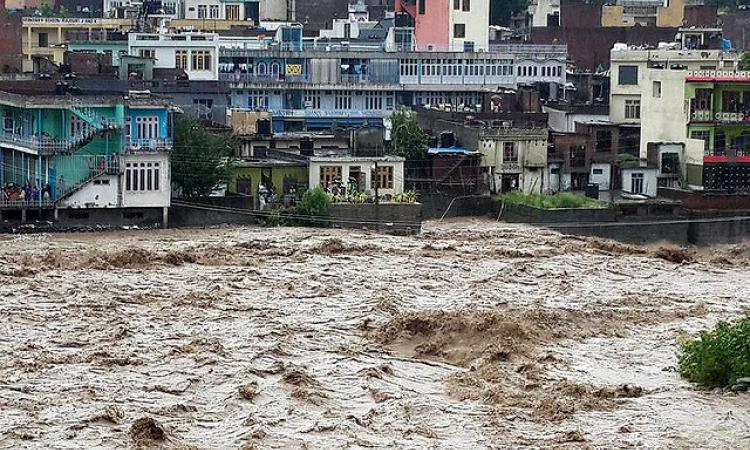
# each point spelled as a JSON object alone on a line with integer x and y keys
{"x": 165, "y": 217}
{"x": 39, "y": 178}
{"x": 23, "y": 215}
{"x": 2, "y": 168}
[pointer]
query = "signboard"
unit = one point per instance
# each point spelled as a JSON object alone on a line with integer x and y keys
{"x": 294, "y": 69}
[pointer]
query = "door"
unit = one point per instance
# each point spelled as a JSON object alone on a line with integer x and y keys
{"x": 252, "y": 11}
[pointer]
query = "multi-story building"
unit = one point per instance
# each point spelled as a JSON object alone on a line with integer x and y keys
{"x": 318, "y": 85}
{"x": 47, "y": 37}
{"x": 240, "y": 10}
{"x": 628, "y": 66}
{"x": 194, "y": 53}
{"x": 86, "y": 154}
{"x": 696, "y": 128}
{"x": 452, "y": 25}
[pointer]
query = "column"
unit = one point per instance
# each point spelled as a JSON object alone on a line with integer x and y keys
{"x": 39, "y": 178}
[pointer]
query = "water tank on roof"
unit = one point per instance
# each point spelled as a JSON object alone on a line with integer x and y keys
{"x": 620, "y": 46}
{"x": 447, "y": 139}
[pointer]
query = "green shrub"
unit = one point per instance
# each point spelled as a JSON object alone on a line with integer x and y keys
{"x": 315, "y": 203}
{"x": 717, "y": 357}
{"x": 559, "y": 200}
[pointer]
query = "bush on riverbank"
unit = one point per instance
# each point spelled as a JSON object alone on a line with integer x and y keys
{"x": 718, "y": 357}
{"x": 544, "y": 201}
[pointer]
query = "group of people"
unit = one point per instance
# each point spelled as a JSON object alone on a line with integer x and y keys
{"x": 13, "y": 192}
{"x": 338, "y": 187}
{"x": 267, "y": 195}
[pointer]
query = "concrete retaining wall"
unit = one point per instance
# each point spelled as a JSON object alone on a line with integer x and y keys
{"x": 435, "y": 205}
{"x": 397, "y": 218}
{"x": 528, "y": 214}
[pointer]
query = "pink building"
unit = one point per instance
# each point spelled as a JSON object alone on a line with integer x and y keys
{"x": 448, "y": 24}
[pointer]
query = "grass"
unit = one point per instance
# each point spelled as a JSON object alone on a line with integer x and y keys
{"x": 543, "y": 201}
{"x": 717, "y": 357}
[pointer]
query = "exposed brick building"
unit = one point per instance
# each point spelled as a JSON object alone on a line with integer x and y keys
{"x": 10, "y": 41}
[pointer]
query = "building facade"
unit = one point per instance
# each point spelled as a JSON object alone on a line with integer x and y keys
{"x": 47, "y": 37}
{"x": 84, "y": 152}
{"x": 449, "y": 25}
{"x": 194, "y": 53}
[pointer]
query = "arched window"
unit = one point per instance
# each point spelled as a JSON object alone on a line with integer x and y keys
{"x": 275, "y": 68}
{"x": 262, "y": 68}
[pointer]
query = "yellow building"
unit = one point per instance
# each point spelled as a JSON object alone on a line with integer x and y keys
{"x": 48, "y": 36}
{"x": 630, "y": 13}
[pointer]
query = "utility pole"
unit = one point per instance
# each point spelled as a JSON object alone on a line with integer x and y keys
{"x": 377, "y": 198}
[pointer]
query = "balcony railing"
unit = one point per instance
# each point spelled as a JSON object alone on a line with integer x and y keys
{"x": 46, "y": 145}
{"x": 148, "y": 145}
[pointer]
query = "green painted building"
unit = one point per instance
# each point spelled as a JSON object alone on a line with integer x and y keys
{"x": 719, "y": 105}
{"x": 247, "y": 176}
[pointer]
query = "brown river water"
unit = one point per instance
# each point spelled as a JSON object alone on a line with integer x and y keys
{"x": 473, "y": 334}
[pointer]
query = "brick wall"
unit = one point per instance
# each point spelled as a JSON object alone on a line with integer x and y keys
{"x": 10, "y": 41}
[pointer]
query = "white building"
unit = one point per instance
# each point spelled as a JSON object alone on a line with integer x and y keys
{"x": 138, "y": 180}
{"x": 628, "y": 80}
{"x": 389, "y": 174}
{"x": 544, "y": 13}
{"x": 254, "y": 10}
{"x": 195, "y": 53}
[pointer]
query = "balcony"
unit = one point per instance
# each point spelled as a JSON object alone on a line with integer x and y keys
{"x": 270, "y": 78}
{"x": 147, "y": 145}
{"x": 45, "y": 145}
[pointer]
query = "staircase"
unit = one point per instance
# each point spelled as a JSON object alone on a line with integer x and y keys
{"x": 88, "y": 116}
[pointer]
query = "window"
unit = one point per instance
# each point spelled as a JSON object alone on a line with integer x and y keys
{"x": 702, "y": 101}
{"x": 509, "y": 152}
{"x": 657, "y": 89}
{"x": 147, "y": 53}
{"x": 670, "y": 163}
{"x": 456, "y": 4}
{"x": 632, "y": 109}
{"x": 142, "y": 176}
{"x": 343, "y": 100}
{"x": 202, "y": 12}
{"x": 43, "y": 40}
{"x": 201, "y": 60}
{"x": 328, "y": 174}
{"x": 730, "y": 102}
{"x": 459, "y": 30}
{"x": 204, "y": 106}
{"x": 257, "y": 99}
{"x": 312, "y": 99}
{"x": 467, "y": 5}
{"x": 627, "y": 75}
{"x": 703, "y": 135}
{"x": 147, "y": 127}
{"x": 597, "y": 171}
{"x": 385, "y": 177}
{"x": 373, "y": 101}
{"x": 421, "y": 6}
{"x": 181, "y": 59}
{"x": 603, "y": 141}
{"x": 636, "y": 183}
{"x": 233, "y": 12}
{"x": 213, "y": 11}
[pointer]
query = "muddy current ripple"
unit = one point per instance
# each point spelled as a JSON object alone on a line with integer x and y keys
{"x": 472, "y": 335}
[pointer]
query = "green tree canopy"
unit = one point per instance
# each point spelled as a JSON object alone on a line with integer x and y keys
{"x": 201, "y": 160}
{"x": 745, "y": 61}
{"x": 407, "y": 139}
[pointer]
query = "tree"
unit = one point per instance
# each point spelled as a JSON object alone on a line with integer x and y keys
{"x": 201, "y": 161}
{"x": 502, "y": 10}
{"x": 407, "y": 140}
{"x": 745, "y": 61}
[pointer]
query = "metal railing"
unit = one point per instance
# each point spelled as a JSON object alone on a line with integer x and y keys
{"x": 148, "y": 145}
{"x": 46, "y": 145}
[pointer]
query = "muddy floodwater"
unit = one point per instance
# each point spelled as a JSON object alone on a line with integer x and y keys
{"x": 473, "y": 334}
